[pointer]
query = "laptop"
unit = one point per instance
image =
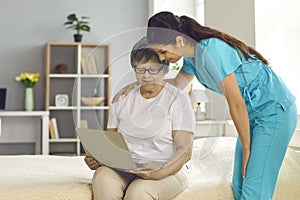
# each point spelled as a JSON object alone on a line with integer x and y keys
{"x": 108, "y": 148}
{"x": 2, "y": 98}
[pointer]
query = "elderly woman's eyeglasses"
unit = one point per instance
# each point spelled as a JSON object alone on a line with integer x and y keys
{"x": 139, "y": 70}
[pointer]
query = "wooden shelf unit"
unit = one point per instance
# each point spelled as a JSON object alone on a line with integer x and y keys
{"x": 80, "y": 79}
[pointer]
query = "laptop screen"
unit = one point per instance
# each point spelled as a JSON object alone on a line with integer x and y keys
{"x": 2, "y": 98}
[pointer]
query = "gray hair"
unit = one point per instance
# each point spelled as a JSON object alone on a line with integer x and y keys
{"x": 142, "y": 52}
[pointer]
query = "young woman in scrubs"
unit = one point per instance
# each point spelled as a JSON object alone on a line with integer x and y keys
{"x": 261, "y": 106}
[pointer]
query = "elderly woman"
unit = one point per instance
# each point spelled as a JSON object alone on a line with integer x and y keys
{"x": 157, "y": 122}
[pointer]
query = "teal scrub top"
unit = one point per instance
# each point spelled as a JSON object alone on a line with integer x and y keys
{"x": 259, "y": 85}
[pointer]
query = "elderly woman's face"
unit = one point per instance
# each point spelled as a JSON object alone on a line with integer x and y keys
{"x": 149, "y": 74}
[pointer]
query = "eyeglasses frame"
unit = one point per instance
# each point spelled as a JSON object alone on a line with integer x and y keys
{"x": 147, "y": 70}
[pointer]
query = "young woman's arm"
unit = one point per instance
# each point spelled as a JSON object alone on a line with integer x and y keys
{"x": 181, "y": 80}
{"x": 184, "y": 143}
{"x": 239, "y": 114}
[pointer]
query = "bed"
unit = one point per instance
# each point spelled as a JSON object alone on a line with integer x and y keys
{"x": 60, "y": 177}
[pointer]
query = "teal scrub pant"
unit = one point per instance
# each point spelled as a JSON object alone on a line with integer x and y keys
{"x": 270, "y": 136}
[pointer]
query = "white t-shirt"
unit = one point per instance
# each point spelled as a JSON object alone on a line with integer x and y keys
{"x": 147, "y": 124}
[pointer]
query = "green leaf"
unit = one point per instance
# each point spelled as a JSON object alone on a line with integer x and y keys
{"x": 68, "y": 23}
{"x": 85, "y": 28}
{"x": 72, "y": 17}
{"x": 83, "y": 22}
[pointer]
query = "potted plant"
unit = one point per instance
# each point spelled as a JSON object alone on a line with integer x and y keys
{"x": 78, "y": 25}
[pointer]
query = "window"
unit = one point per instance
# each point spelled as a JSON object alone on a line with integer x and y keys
{"x": 277, "y": 38}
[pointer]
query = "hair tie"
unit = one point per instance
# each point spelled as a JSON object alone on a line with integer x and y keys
{"x": 179, "y": 22}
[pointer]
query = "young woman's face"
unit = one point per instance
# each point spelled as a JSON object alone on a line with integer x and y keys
{"x": 152, "y": 77}
{"x": 170, "y": 53}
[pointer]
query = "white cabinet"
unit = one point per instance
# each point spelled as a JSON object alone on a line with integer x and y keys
{"x": 76, "y": 70}
{"x": 230, "y": 130}
{"x": 41, "y": 146}
{"x": 209, "y": 128}
{"x": 214, "y": 128}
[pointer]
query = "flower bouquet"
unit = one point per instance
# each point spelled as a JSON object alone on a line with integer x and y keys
{"x": 28, "y": 80}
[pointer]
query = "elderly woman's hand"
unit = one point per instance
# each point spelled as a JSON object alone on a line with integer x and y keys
{"x": 91, "y": 162}
{"x": 149, "y": 174}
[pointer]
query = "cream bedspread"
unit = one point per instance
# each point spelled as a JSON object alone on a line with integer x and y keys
{"x": 59, "y": 177}
{"x": 212, "y": 167}
{"x": 41, "y": 177}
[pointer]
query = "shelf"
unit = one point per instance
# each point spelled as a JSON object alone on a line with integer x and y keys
{"x": 94, "y": 76}
{"x": 87, "y": 74}
{"x": 63, "y": 75}
{"x": 63, "y": 140}
{"x": 81, "y": 107}
{"x": 94, "y": 107}
{"x": 62, "y": 108}
{"x": 23, "y": 113}
{"x": 91, "y": 44}
{"x": 76, "y": 75}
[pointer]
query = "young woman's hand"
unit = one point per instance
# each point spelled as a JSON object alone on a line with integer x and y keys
{"x": 91, "y": 162}
{"x": 124, "y": 91}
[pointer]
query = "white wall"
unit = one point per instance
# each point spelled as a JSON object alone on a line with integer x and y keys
{"x": 234, "y": 17}
{"x": 27, "y": 25}
{"x": 178, "y": 7}
{"x": 277, "y": 38}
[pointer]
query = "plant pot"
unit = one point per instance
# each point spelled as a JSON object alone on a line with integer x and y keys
{"x": 77, "y": 37}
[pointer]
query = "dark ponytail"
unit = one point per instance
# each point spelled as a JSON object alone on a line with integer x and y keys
{"x": 164, "y": 27}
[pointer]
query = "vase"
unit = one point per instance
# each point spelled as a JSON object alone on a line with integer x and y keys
{"x": 29, "y": 99}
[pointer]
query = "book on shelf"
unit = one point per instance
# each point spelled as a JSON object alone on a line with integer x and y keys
{"x": 55, "y": 128}
{"x": 83, "y": 124}
{"x": 84, "y": 65}
{"x": 92, "y": 64}
{"x": 51, "y": 132}
{"x": 88, "y": 65}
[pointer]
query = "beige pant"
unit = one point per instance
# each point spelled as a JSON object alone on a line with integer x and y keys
{"x": 109, "y": 184}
